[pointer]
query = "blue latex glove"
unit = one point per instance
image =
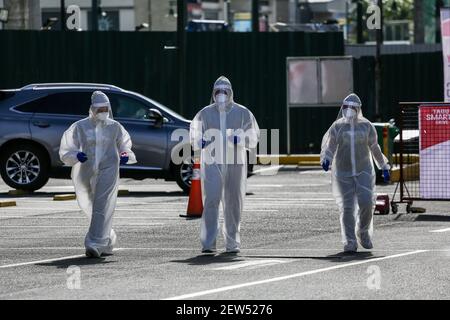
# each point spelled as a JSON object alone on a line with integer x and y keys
{"x": 124, "y": 158}
{"x": 326, "y": 165}
{"x": 82, "y": 157}
{"x": 386, "y": 176}
{"x": 202, "y": 143}
{"x": 235, "y": 139}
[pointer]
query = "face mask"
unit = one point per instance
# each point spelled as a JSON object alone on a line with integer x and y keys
{"x": 221, "y": 98}
{"x": 102, "y": 116}
{"x": 349, "y": 113}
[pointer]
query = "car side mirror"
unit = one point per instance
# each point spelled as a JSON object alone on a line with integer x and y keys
{"x": 156, "y": 116}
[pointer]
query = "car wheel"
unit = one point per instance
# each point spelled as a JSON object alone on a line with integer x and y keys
{"x": 24, "y": 167}
{"x": 183, "y": 174}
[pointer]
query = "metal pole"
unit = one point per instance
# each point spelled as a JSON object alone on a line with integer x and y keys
{"x": 94, "y": 15}
{"x": 255, "y": 15}
{"x": 62, "y": 18}
{"x": 402, "y": 114}
{"x": 359, "y": 22}
{"x": 437, "y": 14}
{"x": 181, "y": 40}
{"x": 379, "y": 33}
{"x": 346, "y": 21}
{"x": 288, "y": 114}
{"x": 226, "y": 5}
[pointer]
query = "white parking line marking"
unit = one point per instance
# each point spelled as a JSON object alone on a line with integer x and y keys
{"x": 265, "y": 185}
{"x": 43, "y": 248}
{"x": 40, "y": 261}
{"x": 271, "y": 168}
{"x": 44, "y": 217}
{"x": 42, "y": 209}
{"x": 69, "y": 227}
{"x": 291, "y": 276}
{"x": 45, "y": 261}
{"x": 441, "y": 230}
{"x": 290, "y": 199}
{"x": 258, "y": 263}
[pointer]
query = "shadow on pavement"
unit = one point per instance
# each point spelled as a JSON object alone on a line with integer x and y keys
{"x": 226, "y": 258}
{"x": 207, "y": 259}
{"x": 339, "y": 257}
{"x": 143, "y": 194}
{"x": 82, "y": 261}
{"x": 432, "y": 217}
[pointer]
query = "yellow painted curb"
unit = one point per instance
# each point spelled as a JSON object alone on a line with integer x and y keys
{"x": 411, "y": 172}
{"x": 123, "y": 192}
{"x": 17, "y": 192}
{"x": 309, "y": 163}
{"x": 407, "y": 158}
{"x": 293, "y": 159}
{"x": 7, "y": 204}
{"x": 64, "y": 197}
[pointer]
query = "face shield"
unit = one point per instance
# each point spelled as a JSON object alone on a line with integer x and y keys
{"x": 100, "y": 107}
{"x": 222, "y": 94}
{"x": 351, "y": 108}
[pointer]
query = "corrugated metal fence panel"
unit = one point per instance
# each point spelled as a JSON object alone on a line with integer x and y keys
{"x": 411, "y": 77}
{"x": 132, "y": 60}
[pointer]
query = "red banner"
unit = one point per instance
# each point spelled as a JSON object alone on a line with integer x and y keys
{"x": 434, "y": 125}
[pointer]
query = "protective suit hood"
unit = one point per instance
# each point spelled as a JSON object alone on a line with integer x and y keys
{"x": 99, "y": 100}
{"x": 354, "y": 102}
{"x": 222, "y": 83}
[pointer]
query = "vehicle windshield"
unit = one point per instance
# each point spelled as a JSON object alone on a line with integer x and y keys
{"x": 162, "y": 107}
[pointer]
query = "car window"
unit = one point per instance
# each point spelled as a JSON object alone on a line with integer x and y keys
{"x": 73, "y": 103}
{"x": 30, "y": 106}
{"x": 127, "y": 107}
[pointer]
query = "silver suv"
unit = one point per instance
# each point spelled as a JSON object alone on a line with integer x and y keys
{"x": 33, "y": 119}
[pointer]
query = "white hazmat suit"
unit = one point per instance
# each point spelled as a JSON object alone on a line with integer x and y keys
{"x": 96, "y": 180}
{"x": 226, "y": 130}
{"x": 349, "y": 146}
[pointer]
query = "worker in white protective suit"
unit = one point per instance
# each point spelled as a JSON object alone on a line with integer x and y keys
{"x": 94, "y": 147}
{"x": 222, "y": 133}
{"x": 348, "y": 147}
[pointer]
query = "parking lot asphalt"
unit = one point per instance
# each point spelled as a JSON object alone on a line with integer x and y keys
{"x": 291, "y": 247}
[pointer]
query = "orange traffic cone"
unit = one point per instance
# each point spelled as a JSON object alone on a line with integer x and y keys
{"x": 195, "y": 205}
